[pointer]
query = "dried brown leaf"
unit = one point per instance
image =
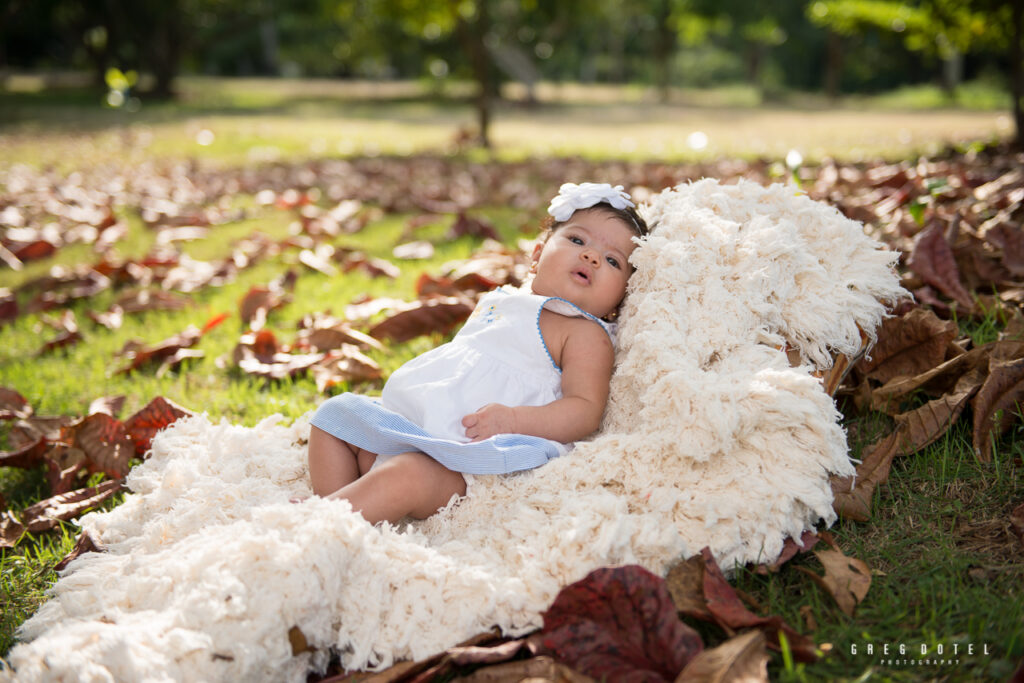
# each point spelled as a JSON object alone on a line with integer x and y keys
{"x": 143, "y": 425}
{"x": 790, "y": 548}
{"x": 68, "y": 336}
{"x": 11, "y": 530}
{"x": 373, "y": 267}
{"x": 151, "y": 300}
{"x": 345, "y": 365}
{"x": 8, "y": 305}
{"x": 997, "y": 404}
{"x": 142, "y": 355}
{"x": 105, "y": 442}
{"x": 729, "y": 612}
{"x": 742, "y": 658}
{"x": 854, "y": 501}
{"x": 13, "y": 405}
{"x": 535, "y": 670}
{"x": 685, "y": 581}
{"x": 846, "y": 579}
{"x": 64, "y": 466}
{"x": 84, "y": 544}
{"x": 909, "y": 345}
{"x": 258, "y": 302}
{"x": 111, "y": 405}
{"x": 939, "y": 378}
{"x": 932, "y": 258}
{"x": 1010, "y": 240}
{"x": 474, "y": 227}
{"x": 60, "y": 508}
{"x": 439, "y": 315}
{"x": 28, "y": 455}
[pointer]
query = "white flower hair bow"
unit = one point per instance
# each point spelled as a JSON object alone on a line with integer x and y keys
{"x": 572, "y": 197}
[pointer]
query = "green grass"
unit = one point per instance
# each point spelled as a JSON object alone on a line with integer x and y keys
{"x": 946, "y": 570}
{"x": 246, "y": 121}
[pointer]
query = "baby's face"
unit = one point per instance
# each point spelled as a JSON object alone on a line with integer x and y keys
{"x": 586, "y": 261}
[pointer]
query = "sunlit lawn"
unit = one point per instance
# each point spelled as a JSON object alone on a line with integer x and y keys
{"x": 245, "y": 121}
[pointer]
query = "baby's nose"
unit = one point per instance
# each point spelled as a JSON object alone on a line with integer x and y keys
{"x": 591, "y": 256}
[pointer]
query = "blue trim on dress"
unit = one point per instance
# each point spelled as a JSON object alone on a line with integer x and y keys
{"x": 544, "y": 344}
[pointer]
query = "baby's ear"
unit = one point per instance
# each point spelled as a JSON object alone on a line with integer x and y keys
{"x": 537, "y": 249}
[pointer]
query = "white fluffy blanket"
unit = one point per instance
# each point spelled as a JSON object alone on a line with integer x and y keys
{"x": 711, "y": 439}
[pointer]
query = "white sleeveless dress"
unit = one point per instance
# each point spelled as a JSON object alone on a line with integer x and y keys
{"x": 499, "y": 356}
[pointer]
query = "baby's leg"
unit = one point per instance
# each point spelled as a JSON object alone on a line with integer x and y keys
{"x": 334, "y": 463}
{"x": 409, "y": 484}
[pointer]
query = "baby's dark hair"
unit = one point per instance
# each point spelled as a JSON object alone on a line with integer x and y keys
{"x": 628, "y": 215}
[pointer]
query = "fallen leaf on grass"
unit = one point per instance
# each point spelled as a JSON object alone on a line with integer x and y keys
{"x": 853, "y": 501}
{"x": 69, "y": 334}
{"x": 280, "y": 365}
{"x": 258, "y": 302}
{"x": 617, "y": 622}
{"x": 346, "y": 364}
{"x": 373, "y": 267}
{"x": 908, "y": 346}
{"x": 685, "y": 582}
{"x": 322, "y": 332}
{"x": 941, "y": 378}
{"x": 932, "y": 258}
{"x": 8, "y": 305}
{"x": 997, "y": 404}
{"x": 535, "y": 670}
{"x": 64, "y": 465}
{"x": 111, "y": 405}
{"x": 140, "y": 300}
{"x": 440, "y": 315}
{"x": 474, "y": 227}
{"x": 728, "y": 611}
{"x": 27, "y": 455}
{"x": 418, "y": 250}
{"x": 846, "y": 579}
{"x": 742, "y": 658}
{"x": 112, "y": 319}
{"x": 141, "y": 355}
{"x": 46, "y": 514}
{"x": 790, "y": 548}
{"x": 84, "y": 544}
{"x": 105, "y": 442}
{"x": 154, "y": 416}
{"x": 13, "y": 405}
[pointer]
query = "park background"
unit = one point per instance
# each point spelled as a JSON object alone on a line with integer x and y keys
{"x": 289, "y": 136}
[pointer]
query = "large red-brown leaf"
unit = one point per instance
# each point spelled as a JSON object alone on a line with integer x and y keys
{"x": 909, "y": 345}
{"x": 932, "y": 258}
{"x": 619, "y": 624}
{"x": 729, "y": 612}
{"x": 60, "y": 508}
{"x": 13, "y": 405}
{"x": 441, "y": 315}
{"x": 998, "y": 404}
{"x": 105, "y": 442}
{"x": 154, "y": 416}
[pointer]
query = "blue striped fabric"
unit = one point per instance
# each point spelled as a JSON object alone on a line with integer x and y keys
{"x": 364, "y": 423}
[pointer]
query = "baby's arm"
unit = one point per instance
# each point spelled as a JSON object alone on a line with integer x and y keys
{"x": 586, "y": 360}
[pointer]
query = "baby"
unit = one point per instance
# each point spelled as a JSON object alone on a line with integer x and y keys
{"x": 525, "y": 376}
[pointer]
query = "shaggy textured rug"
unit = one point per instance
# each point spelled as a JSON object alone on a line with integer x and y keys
{"x": 711, "y": 439}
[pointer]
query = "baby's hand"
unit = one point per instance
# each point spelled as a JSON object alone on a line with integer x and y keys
{"x": 492, "y": 419}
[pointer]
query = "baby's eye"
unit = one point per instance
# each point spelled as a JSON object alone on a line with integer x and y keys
{"x": 575, "y": 240}
{"x": 613, "y": 262}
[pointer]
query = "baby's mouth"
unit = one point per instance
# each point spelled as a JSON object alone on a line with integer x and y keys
{"x": 581, "y": 275}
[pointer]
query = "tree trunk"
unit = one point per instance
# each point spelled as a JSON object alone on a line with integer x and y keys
{"x": 1017, "y": 69}
{"x": 833, "y": 65}
{"x": 664, "y": 42}
{"x": 472, "y": 38}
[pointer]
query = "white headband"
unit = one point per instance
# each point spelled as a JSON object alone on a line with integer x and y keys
{"x": 572, "y": 197}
